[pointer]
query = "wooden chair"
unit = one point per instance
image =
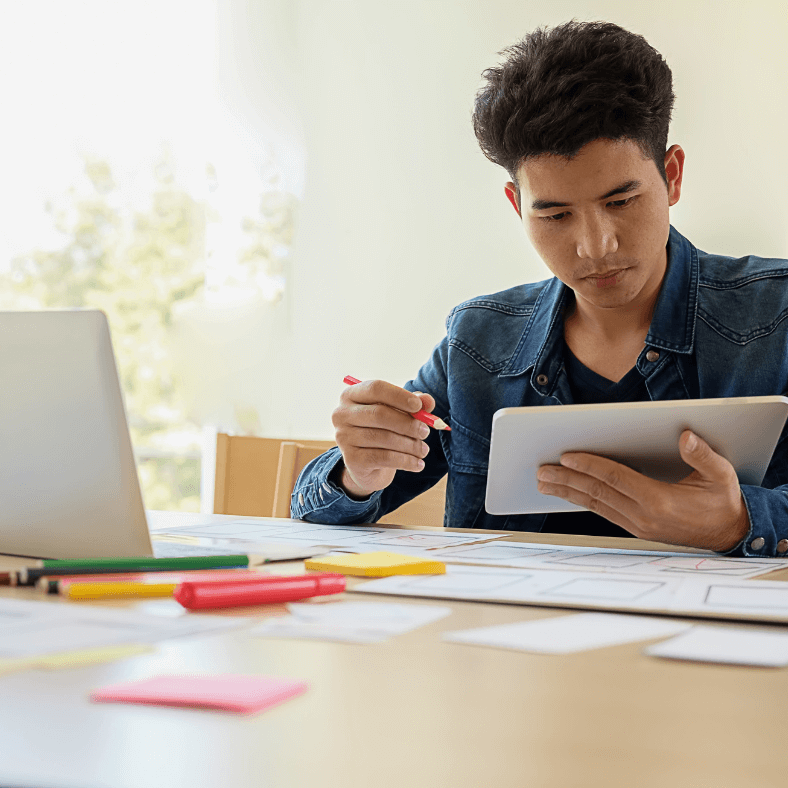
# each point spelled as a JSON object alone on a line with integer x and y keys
{"x": 246, "y": 470}
{"x": 293, "y": 457}
{"x": 425, "y": 509}
{"x": 246, "y": 473}
{"x": 256, "y": 477}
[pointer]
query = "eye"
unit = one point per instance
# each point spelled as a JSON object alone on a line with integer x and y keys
{"x": 622, "y": 203}
{"x": 554, "y": 218}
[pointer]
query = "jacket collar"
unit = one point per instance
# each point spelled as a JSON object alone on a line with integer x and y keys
{"x": 672, "y": 325}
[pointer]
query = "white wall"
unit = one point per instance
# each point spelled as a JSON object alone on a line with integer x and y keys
{"x": 396, "y": 191}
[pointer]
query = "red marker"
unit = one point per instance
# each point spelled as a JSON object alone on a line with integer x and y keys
{"x": 197, "y": 595}
{"x": 422, "y": 415}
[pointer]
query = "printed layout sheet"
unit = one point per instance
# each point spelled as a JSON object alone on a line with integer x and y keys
{"x": 751, "y": 600}
{"x": 349, "y": 538}
{"x": 601, "y": 559}
{"x": 244, "y": 534}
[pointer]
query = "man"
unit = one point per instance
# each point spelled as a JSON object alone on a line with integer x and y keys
{"x": 578, "y": 116}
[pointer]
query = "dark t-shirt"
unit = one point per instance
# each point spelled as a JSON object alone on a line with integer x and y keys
{"x": 588, "y": 387}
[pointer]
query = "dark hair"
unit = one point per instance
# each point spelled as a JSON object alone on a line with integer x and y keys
{"x": 564, "y": 87}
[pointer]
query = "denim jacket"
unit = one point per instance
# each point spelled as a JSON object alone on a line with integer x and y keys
{"x": 719, "y": 329}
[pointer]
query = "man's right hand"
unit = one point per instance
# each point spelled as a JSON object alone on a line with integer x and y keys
{"x": 377, "y": 436}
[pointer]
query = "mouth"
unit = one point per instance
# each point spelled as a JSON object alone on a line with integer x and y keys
{"x": 607, "y": 278}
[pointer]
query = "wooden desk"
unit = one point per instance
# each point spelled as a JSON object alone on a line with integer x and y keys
{"x": 414, "y": 711}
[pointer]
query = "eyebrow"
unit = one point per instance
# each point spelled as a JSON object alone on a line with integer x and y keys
{"x": 543, "y": 205}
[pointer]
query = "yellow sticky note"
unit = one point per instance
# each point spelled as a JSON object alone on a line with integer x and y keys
{"x": 380, "y": 564}
{"x": 92, "y": 656}
{"x": 12, "y": 665}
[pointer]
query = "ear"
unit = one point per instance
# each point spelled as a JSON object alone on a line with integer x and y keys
{"x": 674, "y": 170}
{"x": 511, "y": 193}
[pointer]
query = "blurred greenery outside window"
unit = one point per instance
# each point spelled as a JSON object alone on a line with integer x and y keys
{"x": 139, "y": 265}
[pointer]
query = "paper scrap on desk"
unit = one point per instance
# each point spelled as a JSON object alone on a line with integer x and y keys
{"x": 36, "y": 628}
{"x": 730, "y": 645}
{"x": 245, "y": 694}
{"x": 378, "y": 564}
{"x": 569, "y": 634}
{"x": 350, "y": 622}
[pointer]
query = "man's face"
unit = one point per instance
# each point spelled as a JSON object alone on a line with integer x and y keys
{"x": 600, "y": 220}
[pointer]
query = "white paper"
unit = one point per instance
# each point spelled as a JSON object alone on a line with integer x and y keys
{"x": 350, "y": 622}
{"x": 33, "y": 628}
{"x": 730, "y": 645}
{"x": 568, "y": 634}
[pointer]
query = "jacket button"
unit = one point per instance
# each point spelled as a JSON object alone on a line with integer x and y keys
{"x": 757, "y": 544}
{"x": 652, "y": 355}
{"x": 542, "y": 380}
{"x": 782, "y": 546}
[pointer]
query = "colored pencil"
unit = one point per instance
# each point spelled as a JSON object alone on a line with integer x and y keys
{"x": 94, "y": 566}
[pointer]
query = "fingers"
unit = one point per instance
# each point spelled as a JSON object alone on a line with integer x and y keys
{"x": 600, "y": 493}
{"x": 370, "y": 392}
{"x": 375, "y": 431}
{"x": 700, "y": 456}
{"x": 427, "y": 401}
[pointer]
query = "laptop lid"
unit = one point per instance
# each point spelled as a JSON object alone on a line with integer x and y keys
{"x": 68, "y": 480}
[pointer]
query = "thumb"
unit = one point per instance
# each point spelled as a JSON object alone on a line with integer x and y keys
{"x": 428, "y": 403}
{"x": 700, "y": 456}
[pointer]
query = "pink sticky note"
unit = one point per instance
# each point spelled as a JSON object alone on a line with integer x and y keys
{"x": 246, "y": 694}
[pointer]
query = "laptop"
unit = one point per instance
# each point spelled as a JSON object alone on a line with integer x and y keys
{"x": 68, "y": 480}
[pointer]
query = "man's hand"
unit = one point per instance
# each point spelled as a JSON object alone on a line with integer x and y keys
{"x": 377, "y": 436}
{"x": 705, "y": 509}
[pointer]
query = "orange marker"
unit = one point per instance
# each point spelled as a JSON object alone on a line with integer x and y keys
{"x": 422, "y": 415}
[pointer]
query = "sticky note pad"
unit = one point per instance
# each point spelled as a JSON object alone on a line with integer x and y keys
{"x": 379, "y": 564}
{"x": 245, "y": 694}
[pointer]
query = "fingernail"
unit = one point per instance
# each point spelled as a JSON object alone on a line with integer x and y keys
{"x": 692, "y": 442}
{"x": 424, "y": 431}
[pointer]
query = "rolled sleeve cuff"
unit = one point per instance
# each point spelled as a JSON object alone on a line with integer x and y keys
{"x": 316, "y": 499}
{"x": 766, "y": 509}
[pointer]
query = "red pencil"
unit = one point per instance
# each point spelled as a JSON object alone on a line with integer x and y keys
{"x": 427, "y": 418}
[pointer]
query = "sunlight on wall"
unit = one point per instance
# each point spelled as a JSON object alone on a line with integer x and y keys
{"x": 120, "y": 129}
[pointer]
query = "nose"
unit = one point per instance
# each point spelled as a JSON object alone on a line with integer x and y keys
{"x": 596, "y": 237}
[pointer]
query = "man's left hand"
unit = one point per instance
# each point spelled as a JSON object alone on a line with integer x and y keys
{"x": 705, "y": 509}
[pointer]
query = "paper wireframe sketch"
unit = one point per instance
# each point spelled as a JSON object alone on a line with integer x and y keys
{"x": 619, "y": 561}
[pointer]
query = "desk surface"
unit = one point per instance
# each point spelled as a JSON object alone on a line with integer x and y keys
{"x": 413, "y": 711}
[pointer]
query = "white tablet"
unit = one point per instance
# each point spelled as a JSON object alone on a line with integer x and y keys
{"x": 642, "y": 435}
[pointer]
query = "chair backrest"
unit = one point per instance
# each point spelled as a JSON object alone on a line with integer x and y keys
{"x": 293, "y": 457}
{"x": 256, "y": 477}
{"x": 246, "y": 470}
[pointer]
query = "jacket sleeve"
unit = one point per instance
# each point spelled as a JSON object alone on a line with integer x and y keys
{"x": 767, "y": 507}
{"x": 317, "y": 499}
